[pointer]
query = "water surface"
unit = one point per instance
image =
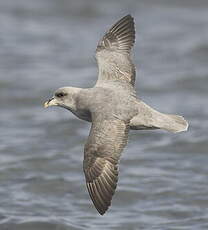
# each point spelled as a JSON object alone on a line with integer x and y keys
{"x": 163, "y": 177}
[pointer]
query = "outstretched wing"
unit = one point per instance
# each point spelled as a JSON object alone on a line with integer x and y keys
{"x": 101, "y": 155}
{"x": 113, "y": 53}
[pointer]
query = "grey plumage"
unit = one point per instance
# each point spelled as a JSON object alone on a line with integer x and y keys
{"x": 101, "y": 155}
{"x": 113, "y": 108}
{"x": 113, "y": 53}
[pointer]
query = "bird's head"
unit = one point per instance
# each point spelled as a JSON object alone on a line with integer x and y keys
{"x": 64, "y": 97}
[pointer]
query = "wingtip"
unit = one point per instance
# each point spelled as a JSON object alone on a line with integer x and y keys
{"x": 102, "y": 212}
{"x": 129, "y": 16}
{"x": 124, "y": 31}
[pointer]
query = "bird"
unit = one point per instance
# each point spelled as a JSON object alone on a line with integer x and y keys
{"x": 113, "y": 108}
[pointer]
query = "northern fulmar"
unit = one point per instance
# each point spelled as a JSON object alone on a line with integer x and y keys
{"x": 113, "y": 108}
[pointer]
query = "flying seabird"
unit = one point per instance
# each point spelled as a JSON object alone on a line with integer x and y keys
{"x": 113, "y": 108}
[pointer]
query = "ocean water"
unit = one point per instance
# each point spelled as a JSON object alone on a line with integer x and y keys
{"x": 163, "y": 179}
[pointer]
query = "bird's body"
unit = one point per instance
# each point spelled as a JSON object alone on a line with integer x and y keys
{"x": 107, "y": 102}
{"x": 113, "y": 108}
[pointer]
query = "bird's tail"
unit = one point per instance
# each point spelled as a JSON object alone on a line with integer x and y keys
{"x": 172, "y": 123}
{"x": 149, "y": 118}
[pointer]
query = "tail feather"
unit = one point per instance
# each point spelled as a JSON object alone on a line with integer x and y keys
{"x": 172, "y": 123}
{"x": 149, "y": 118}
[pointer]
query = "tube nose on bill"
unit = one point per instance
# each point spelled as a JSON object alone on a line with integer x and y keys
{"x": 49, "y": 102}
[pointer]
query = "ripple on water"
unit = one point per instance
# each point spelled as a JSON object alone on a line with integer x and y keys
{"x": 163, "y": 177}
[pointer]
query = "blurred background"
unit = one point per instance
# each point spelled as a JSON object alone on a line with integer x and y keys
{"x": 46, "y": 44}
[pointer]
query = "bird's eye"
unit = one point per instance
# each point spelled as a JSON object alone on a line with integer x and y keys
{"x": 61, "y": 94}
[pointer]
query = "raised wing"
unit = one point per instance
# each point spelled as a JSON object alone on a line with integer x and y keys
{"x": 101, "y": 155}
{"x": 113, "y": 53}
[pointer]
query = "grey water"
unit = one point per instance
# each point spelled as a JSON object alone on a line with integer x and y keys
{"x": 163, "y": 179}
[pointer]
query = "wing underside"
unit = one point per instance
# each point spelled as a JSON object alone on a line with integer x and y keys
{"x": 102, "y": 151}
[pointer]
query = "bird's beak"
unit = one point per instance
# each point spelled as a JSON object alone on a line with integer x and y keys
{"x": 52, "y": 101}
